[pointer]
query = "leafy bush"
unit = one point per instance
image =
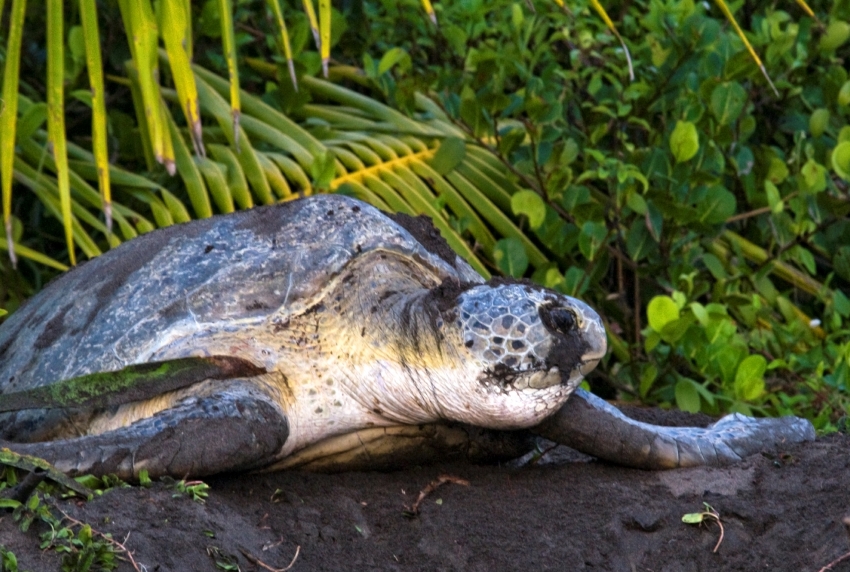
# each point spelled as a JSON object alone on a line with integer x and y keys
{"x": 702, "y": 213}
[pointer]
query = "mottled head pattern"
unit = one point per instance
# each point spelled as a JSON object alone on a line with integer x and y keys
{"x": 529, "y": 337}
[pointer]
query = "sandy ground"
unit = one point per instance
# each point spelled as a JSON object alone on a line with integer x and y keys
{"x": 780, "y": 511}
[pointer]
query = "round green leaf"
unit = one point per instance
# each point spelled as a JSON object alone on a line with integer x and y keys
{"x": 836, "y": 34}
{"x": 693, "y": 518}
{"x": 323, "y": 169}
{"x": 391, "y": 58}
{"x": 684, "y": 141}
{"x": 773, "y": 197}
{"x": 687, "y": 396}
{"x": 777, "y": 171}
{"x": 76, "y": 43}
{"x": 841, "y": 303}
{"x": 510, "y": 257}
{"x": 530, "y": 204}
{"x": 727, "y": 102}
{"x": 661, "y": 311}
{"x": 818, "y": 122}
{"x": 719, "y": 205}
{"x": 844, "y": 94}
{"x": 511, "y": 139}
{"x": 841, "y": 160}
{"x": 592, "y": 238}
{"x": 749, "y": 379}
{"x": 449, "y": 155}
{"x": 814, "y": 176}
{"x": 636, "y": 202}
{"x": 841, "y": 262}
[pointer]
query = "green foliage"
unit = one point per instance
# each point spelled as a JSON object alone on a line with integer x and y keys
{"x": 81, "y": 550}
{"x": 704, "y": 216}
{"x": 692, "y": 198}
{"x": 8, "y": 560}
{"x": 198, "y": 491}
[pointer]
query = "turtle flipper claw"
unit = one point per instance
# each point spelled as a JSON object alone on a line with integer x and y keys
{"x": 593, "y": 426}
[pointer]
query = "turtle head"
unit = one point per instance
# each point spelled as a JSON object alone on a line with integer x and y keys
{"x": 530, "y": 347}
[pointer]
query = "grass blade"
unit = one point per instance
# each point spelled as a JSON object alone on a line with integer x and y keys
{"x": 371, "y": 106}
{"x": 728, "y": 13}
{"x": 213, "y": 103}
{"x": 48, "y": 194}
{"x": 293, "y": 172}
{"x": 429, "y": 9}
{"x": 355, "y": 189}
{"x": 189, "y": 172}
{"x": 275, "y": 178}
{"x": 284, "y": 40}
{"x": 176, "y": 33}
{"x": 228, "y": 37}
{"x": 422, "y": 199}
{"x": 216, "y": 183}
{"x": 605, "y": 18}
{"x": 33, "y": 255}
{"x": 254, "y": 106}
{"x": 457, "y": 204}
{"x": 56, "y": 114}
{"x": 94, "y": 63}
{"x": 140, "y": 26}
{"x": 9, "y": 116}
{"x": 236, "y": 180}
{"x": 314, "y": 23}
{"x": 325, "y": 34}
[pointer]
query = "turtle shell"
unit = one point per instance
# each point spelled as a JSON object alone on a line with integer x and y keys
{"x": 112, "y": 310}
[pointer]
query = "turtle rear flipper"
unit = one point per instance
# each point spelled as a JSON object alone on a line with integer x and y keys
{"x": 591, "y": 425}
{"x": 232, "y": 429}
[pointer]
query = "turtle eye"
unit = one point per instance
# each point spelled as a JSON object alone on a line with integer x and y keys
{"x": 558, "y": 320}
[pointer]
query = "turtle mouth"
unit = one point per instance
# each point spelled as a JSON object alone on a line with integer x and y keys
{"x": 537, "y": 378}
{"x": 540, "y": 379}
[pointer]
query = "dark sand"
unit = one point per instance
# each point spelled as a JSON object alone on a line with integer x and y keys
{"x": 779, "y": 511}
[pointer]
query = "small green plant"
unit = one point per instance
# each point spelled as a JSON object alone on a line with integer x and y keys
{"x": 223, "y": 561}
{"x": 197, "y": 490}
{"x": 102, "y": 484}
{"x": 708, "y": 515}
{"x": 8, "y": 560}
{"x": 82, "y": 547}
{"x": 144, "y": 478}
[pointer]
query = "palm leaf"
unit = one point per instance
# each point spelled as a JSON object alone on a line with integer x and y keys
{"x": 176, "y": 33}
{"x": 9, "y": 116}
{"x": 91, "y": 34}
{"x": 56, "y": 115}
{"x": 228, "y": 37}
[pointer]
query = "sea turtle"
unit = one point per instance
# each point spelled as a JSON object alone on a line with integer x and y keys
{"x": 333, "y": 335}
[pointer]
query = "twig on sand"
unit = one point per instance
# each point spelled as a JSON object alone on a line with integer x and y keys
{"x": 119, "y": 545}
{"x": 254, "y": 560}
{"x": 432, "y": 486}
{"x": 843, "y": 557}
{"x": 835, "y": 562}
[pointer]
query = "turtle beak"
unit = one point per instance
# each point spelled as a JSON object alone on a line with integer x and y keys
{"x": 593, "y": 332}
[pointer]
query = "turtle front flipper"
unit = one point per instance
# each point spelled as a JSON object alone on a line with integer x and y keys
{"x": 591, "y": 425}
{"x": 235, "y": 428}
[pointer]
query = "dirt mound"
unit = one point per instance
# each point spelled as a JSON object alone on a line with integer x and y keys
{"x": 779, "y": 512}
